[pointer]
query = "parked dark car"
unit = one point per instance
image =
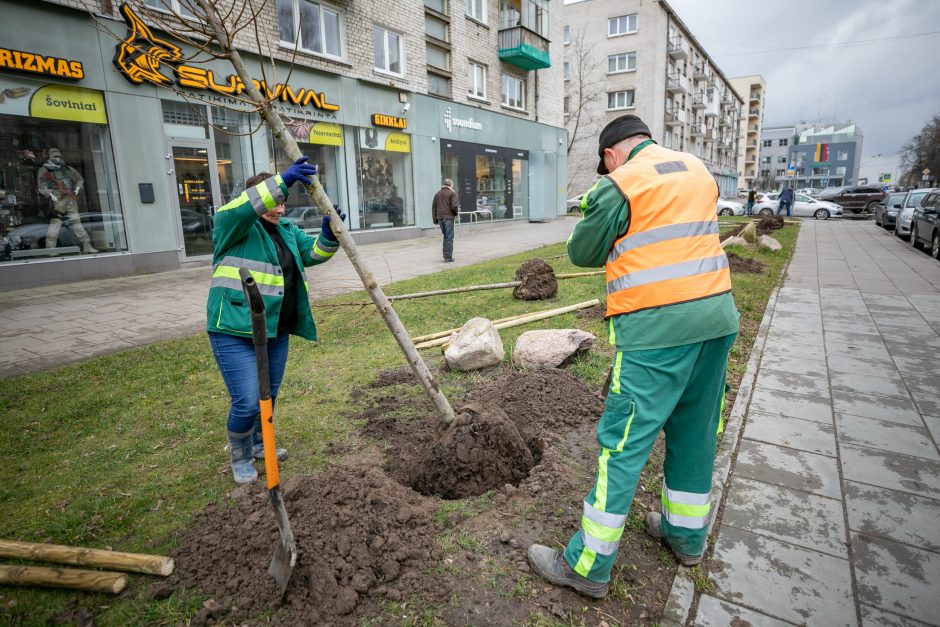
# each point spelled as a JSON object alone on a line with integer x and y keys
{"x": 902, "y": 225}
{"x": 886, "y": 212}
{"x": 925, "y": 224}
{"x": 854, "y": 198}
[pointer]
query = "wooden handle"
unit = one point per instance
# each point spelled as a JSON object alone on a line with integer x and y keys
{"x": 58, "y": 554}
{"x": 73, "y": 578}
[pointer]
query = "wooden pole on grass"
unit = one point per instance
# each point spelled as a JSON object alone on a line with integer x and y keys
{"x": 59, "y": 554}
{"x": 72, "y": 578}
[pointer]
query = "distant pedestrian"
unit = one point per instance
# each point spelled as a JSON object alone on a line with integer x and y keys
{"x": 785, "y": 201}
{"x": 751, "y": 199}
{"x": 444, "y": 209}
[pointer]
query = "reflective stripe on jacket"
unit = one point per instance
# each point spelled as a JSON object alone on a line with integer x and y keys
{"x": 241, "y": 242}
{"x": 671, "y": 252}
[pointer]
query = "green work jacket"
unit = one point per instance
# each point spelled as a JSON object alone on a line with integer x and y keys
{"x": 241, "y": 241}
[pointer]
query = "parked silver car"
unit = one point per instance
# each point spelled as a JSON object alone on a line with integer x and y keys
{"x": 902, "y": 225}
{"x": 803, "y": 206}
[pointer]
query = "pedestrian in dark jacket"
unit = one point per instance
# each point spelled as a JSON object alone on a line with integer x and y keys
{"x": 248, "y": 233}
{"x": 444, "y": 209}
{"x": 751, "y": 199}
{"x": 785, "y": 201}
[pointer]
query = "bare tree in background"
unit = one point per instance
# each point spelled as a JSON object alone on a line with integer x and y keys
{"x": 921, "y": 152}
{"x": 210, "y": 28}
{"x": 582, "y": 91}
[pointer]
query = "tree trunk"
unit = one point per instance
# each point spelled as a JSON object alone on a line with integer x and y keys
{"x": 286, "y": 141}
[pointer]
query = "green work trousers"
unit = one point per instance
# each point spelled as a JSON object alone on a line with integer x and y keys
{"x": 678, "y": 390}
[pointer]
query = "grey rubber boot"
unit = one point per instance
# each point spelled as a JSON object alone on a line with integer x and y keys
{"x": 551, "y": 566}
{"x": 654, "y": 528}
{"x": 257, "y": 448}
{"x": 242, "y": 469}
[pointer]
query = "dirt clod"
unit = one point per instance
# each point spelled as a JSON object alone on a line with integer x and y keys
{"x": 538, "y": 281}
{"x": 745, "y": 265}
{"x": 597, "y": 312}
{"x": 769, "y": 224}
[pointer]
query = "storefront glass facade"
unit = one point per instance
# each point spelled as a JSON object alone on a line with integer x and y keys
{"x": 488, "y": 178}
{"x": 58, "y": 192}
{"x": 383, "y": 174}
{"x": 321, "y": 142}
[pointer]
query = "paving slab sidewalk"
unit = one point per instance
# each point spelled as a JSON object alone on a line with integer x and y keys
{"x": 46, "y": 327}
{"x": 832, "y": 508}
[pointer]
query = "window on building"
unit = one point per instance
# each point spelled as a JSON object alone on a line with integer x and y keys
{"x": 765, "y": 173}
{"x": 765, "y": 160}
{"x": 781, "y": 172}
{"x": 623, "y": 62}
{"x": 842, "y": 155}
{"x": 567, "y": 104}
{"x": 477, "y": 79}
{"x": 567, "y": 70}
{"x": 309, "y": 26}
{"x": 387, "y": 51}
{"x": 783, "y": 142}
{"x": 621, "y": 25}
{"x": 767, "y": 143}
{"x": 438, "y": 57}
{"x": 620, "y": 99}
{"x": 840, "y": 171}
{"x": 477, "y": 9}
{"x": 513, "y": 92}
{"x": 782, "y": 159}
{"x": 566, "y": 36}
{"x": 184, "y": 8}
{"x": 436, "y": 28}
{"x": 438, "y": 5}
{"x": 438, "y": 85}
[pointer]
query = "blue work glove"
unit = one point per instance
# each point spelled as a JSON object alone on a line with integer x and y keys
{"x": 325, "y": 229}
{"x": 300, "y": 171}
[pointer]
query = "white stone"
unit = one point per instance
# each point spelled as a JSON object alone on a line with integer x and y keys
{"x": 734, "y": 241}
{"x": 477, "y": 345}
{"x": 766, "y": 241}
{"x": 549, "y": 348}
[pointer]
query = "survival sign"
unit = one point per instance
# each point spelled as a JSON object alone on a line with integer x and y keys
{"x": 40, "y": 64}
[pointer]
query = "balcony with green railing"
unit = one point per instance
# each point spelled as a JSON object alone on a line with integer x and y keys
{"x": 523, "y": 30}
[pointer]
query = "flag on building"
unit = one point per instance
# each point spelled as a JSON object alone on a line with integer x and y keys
{"x": 822, "y": 152}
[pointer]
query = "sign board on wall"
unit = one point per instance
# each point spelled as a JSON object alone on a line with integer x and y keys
{"x": 391, "y": 141}
{"x": 25, "y": 97}
{"x": 36, "y": 63}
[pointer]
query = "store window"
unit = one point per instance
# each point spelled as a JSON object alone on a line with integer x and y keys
{"x": 58, "y": 188}
{"x": 321, "y": 142}
{"x": 383, "y": 171}
{"x": 486, "y": 178}
{"x": 320, "y": 28}
{"x": 231, "y": 132}
{"x": 387, "y": 51}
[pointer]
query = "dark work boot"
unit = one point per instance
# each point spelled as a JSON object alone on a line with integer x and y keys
{"x": 242, "y": 469}
{"x": 654, "y": 528}
{"x": 551, "y": 566}
{"x": 257, "y": 448}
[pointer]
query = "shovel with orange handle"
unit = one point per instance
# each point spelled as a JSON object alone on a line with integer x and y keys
{"x": 285, "y": 556}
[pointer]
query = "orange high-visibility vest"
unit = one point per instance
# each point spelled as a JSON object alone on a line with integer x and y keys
{"x": 670, "y": 253}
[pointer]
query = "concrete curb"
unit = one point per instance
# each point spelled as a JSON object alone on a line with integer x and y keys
{"x": 682, "y": 593}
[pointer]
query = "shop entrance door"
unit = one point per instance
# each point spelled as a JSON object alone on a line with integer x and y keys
{"x": 195, "y": 178}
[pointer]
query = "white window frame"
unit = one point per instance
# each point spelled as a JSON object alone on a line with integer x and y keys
{"x": 401, "y": 51}
{"x": 840, "y": 171}
{"x": 566, "y": 34}
{"x": 627, "y": 56}
{"x": 566, "y": 70}
{"x": 175, "y": 7}
{"x": 473, "y": 6}
{"x": 842, "y": 155}
{"x": 340, "y": 25}
{"x": 611, "y": 21}
{"x": 473, "y": 86}
{"x": 615, "y": 94}
{"x": 504, "y": 99}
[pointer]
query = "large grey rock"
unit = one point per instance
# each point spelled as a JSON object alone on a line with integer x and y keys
{"x": 734, "y": 241}
{"x": 749, "y": 232}
{"x": 549, "y": 348}
{"x": 766, "y": 241}
{"x": 477, "y": 345}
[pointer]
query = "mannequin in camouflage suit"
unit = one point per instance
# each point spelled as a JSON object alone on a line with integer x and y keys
{"x": 61, "y": 183}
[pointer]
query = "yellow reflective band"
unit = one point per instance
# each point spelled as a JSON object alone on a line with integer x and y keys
{"x": 612, "y": 333}
{"x": 626, "y": 431}
{"x": 600, "y": 490}
{"x": 599, "y": 531}
{"x": 583, "y": 567}
{"x": 266, "y": 196}
{"x": 263, "y": 278}
{"x": 615, "y": 377}
{"x": 242, "y": 199}
{"x": 322, "y": 253}
{"x": 690, "y": 511}
{"x": 584, "y": 197}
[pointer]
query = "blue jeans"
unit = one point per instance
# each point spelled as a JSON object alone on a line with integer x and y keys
{"x": 236, "y": 359}
{"x": 447, "y": 228}
{"x": 750, "y": 207}
{"x": 783, "y": 206}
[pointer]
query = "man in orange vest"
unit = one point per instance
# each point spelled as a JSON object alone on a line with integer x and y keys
{"x": 651, "y": 222}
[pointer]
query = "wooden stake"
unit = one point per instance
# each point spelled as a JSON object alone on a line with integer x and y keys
{"x": 539, "y": 315}
{"x": 72, "y": 578}
{"x": 59, "y": 554}
{"x": 434, "y": 336}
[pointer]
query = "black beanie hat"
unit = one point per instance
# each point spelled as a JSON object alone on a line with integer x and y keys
{"x": 619, "y": 129}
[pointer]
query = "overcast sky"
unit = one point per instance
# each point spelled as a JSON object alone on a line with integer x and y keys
{"x": 890, "y": 88}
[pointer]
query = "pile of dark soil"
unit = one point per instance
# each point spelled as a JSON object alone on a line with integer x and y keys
{"x": 744, "y": 265}
{"x": 731, "y": 232}
{"x": 597, "y": 312}
{"x": 480, "y": 451}
{"x": 361, "y": 538}
{"x": 538, "y": 281}
{"x": 768, "y": 224}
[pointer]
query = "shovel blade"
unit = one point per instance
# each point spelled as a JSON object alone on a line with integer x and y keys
{"x": 285, "y": 556}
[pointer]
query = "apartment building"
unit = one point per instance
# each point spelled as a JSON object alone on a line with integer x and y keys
{"x": 753, "y": 90}
{"x": 810, "y": 155}
{"x": 636, "y": 56}
{"x": 387, "y": 97}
